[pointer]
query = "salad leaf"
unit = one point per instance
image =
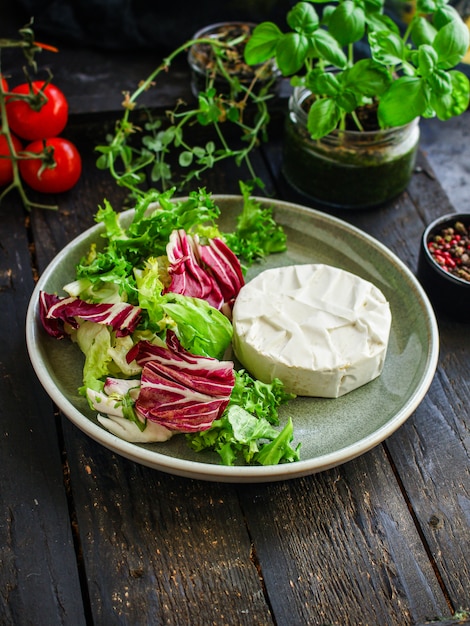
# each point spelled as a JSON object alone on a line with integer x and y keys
{"x": 156, "y": 216}
{"x": 179, "y": 390}
{"x": 257, "y": 234}
{"x": 193, "y": 317}
{"x": 151, "y": 337}
{"x": 260, "y": 399}
{"x": 209, "y": 271}
{"x": 240, "y": 436}
{"x": 56, "y": 312}
{"x": 279, "y": 450}
{"x": 94, "y": 341}
{"x": 246, "y": 427}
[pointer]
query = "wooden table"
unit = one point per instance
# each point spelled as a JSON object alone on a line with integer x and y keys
{"x": 88, "y": 537}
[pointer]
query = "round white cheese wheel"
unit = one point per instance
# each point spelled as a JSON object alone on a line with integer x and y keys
{"x": 323, "y": 331}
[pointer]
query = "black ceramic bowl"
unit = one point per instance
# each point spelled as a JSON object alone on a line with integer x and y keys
{"x": 448, "y": 293}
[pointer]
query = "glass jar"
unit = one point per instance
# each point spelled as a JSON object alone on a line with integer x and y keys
{"x": 202, "y": 62}
{"x": 347, "y": 169}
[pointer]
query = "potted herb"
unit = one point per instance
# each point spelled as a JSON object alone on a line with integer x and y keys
{"x": 135, "y": 150}
{"x": 225, "y": 68}
{"x": 352, "y": 130}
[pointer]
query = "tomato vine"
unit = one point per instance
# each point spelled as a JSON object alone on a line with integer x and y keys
{"x": 34, "y": 111}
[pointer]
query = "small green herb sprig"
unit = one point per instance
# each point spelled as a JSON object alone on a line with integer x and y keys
{"x": 406, "y": 74}
{"x": 133, "y": 153}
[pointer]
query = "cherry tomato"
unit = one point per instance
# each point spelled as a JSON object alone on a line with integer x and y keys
{"x": 6, "y": 167}
{"x": 49, "y": 121}
{"x": 62, "y": 177}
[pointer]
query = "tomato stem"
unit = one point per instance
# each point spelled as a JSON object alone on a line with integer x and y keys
{"x": 36, "y": 100}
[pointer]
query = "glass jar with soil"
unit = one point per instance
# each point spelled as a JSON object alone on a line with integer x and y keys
{"x": 347, "y": 168}
{"x": 207, "y": 65}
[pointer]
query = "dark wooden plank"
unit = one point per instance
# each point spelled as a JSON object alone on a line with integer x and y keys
{"x": 329, "y": 543}
{"x": 431, "y": 453}
{"x": 39, "y": 579}
{"x": 159, "y": 549}
{"x": 52, "y": 230}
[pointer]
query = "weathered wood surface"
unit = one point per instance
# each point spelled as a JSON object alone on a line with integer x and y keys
{"x": 89, "y": 537}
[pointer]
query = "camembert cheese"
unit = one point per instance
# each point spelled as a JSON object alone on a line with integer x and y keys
{"x": 323, "y": 331}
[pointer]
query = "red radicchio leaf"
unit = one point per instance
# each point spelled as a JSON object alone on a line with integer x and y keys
{"x": 211, "y": 272}
{"x": 180, "y": 390}
{"x": 55, "y": 327}
{"x": 187, "y": 276}
{"x": 55, "y": 311}
{"x": 225, "y": 267}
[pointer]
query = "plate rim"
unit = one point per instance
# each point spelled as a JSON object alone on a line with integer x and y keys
{"x": 249, "y": 473}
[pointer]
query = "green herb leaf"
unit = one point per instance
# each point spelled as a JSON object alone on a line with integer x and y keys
{"x": 454, "y": 102}
{"x": 303, "y": 18}
{"x": 387, "y": 48}
{"x": 262, "y": 44}
{"x": 323, "y": 117}
{"x": 427, "y": 61}
{"x": 451, "y": 43}
{"x": 327, "y": 48}
{"x": 291, "y": 52}
{"x": 324, "y": 83}
{"x": 367, "y": 78}
{"x": 422, "y": 31}
{"x": 347, "y": 23}
{"x": 410, "y": 89}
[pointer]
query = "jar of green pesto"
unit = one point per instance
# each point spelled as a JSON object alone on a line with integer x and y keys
{"x": 348, "y": 168}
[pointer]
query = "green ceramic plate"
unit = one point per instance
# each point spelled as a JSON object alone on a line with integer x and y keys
{"x": 332, "y": 431}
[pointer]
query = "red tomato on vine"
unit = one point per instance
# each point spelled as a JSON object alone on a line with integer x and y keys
{"x": 59, "y": 173}
{"x": 6, "y": 166}
{"x": 48, "y": 121}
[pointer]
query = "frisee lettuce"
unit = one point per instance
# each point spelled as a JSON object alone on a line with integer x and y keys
{"x": 256, "y": 234}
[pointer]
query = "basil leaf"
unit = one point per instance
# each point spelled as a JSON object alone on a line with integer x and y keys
{"x": 328, "y": 48}
{"x": 303, "y": 18}
{"x": 410, "y": 89}
{"x": 456, "y": 101}
{"x": 367, "y": 78}
{"x": 451, "y": 44}
{"x": 323, "y": 117}
{"x": 291, "y": 52}
{"x": 262, "y": 44}
{"x": 427, "y": 61}
{"x": 422, "y": 31}
{"x": 347, "y": 23}
{"x": 387, "y": 48}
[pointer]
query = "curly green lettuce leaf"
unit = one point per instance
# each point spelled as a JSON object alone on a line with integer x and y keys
{"x": 246, "y": 431}
{"x": 256, "y": 234}
{"x": 127, "y": 247}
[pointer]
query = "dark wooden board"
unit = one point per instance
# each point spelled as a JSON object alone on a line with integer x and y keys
{"x": 101, "y": 482}
{"x": 177, "y": 551}
{"x": 331, "y": 544}
{"x": 39, "y": 580}
{"x": 380, "y": 540}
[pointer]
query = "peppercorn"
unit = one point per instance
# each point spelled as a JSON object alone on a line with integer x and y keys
{"x": 450, "y": 248}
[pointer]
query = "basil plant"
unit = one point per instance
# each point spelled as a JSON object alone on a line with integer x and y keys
{"x": 406, "y": 73}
